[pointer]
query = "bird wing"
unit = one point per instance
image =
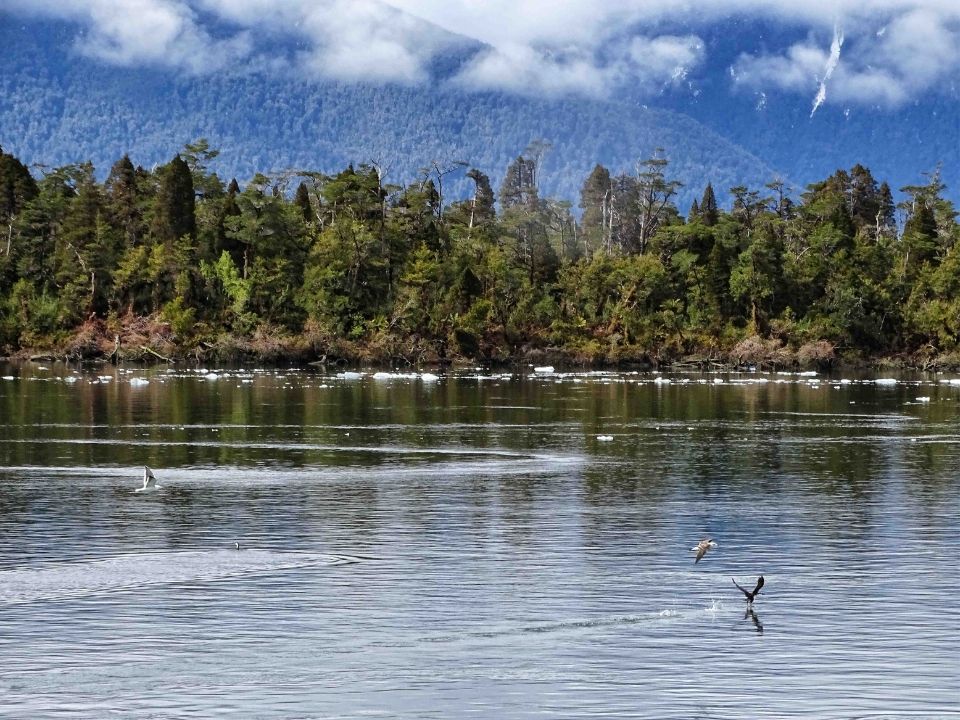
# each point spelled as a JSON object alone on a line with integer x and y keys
{"x": 745, "y": 592}
{"x": 701, "y": 551}
{"x": 759, "y": 585}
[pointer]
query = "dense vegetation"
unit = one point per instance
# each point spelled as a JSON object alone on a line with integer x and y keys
{"x": 174, "y": 262}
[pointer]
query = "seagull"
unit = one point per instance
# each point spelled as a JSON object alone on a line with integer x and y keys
{"x": 149, "y": 481}
{"x": 751, "y": 595}
{"x": 702, "y": 547}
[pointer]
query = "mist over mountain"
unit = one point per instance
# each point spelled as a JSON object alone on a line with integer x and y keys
{"x": 63, "y": 106}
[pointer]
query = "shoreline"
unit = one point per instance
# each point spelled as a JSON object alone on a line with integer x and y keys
{"x": 144, "y": 341}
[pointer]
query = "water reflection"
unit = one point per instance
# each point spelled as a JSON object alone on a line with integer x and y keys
{"x": 752, "y": 615}
{"x": 468, "y": 548}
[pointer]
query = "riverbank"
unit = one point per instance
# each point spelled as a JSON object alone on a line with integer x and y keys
{"x": 149, "y": 340}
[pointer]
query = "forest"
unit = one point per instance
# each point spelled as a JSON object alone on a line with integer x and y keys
{"x": 175, "y": 263}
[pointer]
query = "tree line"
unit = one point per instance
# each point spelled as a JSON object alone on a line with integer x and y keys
{"x": 348, "y": 266}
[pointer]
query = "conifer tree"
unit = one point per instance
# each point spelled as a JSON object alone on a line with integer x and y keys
{"x": 17, "y": 188}
{"x": 302, "y": 200}
{"x": 709, "y": 212}
{"x": 175, "y": 203}
{"x": 121, "y": 187}
{"x": 595, "y": 203}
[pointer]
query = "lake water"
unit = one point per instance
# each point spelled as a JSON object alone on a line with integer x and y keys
{"x": 467, "y": 547}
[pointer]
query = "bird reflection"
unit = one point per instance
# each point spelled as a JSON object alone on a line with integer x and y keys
{"x": 753, "y": 617}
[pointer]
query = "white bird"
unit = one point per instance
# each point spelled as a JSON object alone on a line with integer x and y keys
{"x": 149, "y": 481}
{"x": 702, "y": 547}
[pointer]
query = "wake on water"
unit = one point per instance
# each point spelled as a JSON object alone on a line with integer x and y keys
{"x": 136, "y": 571}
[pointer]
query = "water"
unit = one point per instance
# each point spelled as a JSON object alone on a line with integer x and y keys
{"x": 467, "y": 547}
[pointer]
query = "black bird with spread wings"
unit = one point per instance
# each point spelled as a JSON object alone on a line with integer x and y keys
{"x": 750, "y": 595}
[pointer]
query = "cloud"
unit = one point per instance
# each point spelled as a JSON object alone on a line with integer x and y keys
{"x": 901, "y": 51}
{"x": 647, "y": 63}
{"x": 893, "y": 49}
{"x": 126, "y": 32}
{"x": 832, "y": 63}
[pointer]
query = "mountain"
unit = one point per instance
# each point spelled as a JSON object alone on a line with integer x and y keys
{"x": 60, "y": 107}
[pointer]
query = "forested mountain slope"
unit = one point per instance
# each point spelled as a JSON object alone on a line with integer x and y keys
{"x": 60, "y": 108}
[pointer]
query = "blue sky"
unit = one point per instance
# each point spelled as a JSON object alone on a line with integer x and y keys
{"x": 883, "y": 53}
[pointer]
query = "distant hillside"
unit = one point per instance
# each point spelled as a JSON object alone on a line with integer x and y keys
{"x": 59, "y": 108}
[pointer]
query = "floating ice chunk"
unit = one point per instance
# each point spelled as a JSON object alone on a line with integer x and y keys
{"x": 885, "y": 381}
{"x": 808, "y": 373}
{"x": 718, "y": 381}
{"x": 139, "y": 381}
{"x": 8, "y": 377}
{"x": 546, "y": 369}
{"x": 923, "y": 398}
{"x": 952, "y": 381}
{"x": 429, "y": 377}
{"x": 211, "y": 376}
{"x": 604, "y": 438}
{"x": 845, "y": 381}
{"x": 349, "y": 375}
{"x": 105, "y": 378}
{"x": 659, "y": 380}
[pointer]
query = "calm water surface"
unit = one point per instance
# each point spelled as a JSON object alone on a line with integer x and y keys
{"x": 468, "y": 547}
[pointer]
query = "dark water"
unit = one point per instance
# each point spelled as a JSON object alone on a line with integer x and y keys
{"x": 468, "y": 547}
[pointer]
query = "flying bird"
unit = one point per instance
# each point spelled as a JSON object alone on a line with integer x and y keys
{"x": 149, "y": 481}
{"x": 702, "y": 547}
{"x": 750, "y": 595}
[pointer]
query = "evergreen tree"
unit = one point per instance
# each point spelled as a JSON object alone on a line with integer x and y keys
{"x": 481, "y": 206}
{"x": 885, "y": 220}
{"x": 519, "y": 185}
{"x": 302, "y": 200}
{"x": 709, "y": 212}
{"x": 17, "y": 188}
{"x": 175, "y": 203}
{"x": 595, "y": 197}
{"x": 123, "y": 200}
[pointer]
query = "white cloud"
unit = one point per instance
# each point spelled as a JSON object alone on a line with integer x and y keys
{"x": 124, "y": 32}
{"x": 902, "y": 50}
{"x": 832, "y": 61}
{"x": 894, "y": 48}
{"x": 645, "y": 62}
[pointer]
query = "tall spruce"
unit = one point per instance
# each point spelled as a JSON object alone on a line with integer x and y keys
{"x": 175, "y": 203}
{"x": 709, "y": 212}
{"x": 302, "y": 200}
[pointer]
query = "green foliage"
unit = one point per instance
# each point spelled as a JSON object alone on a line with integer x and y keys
{"x": 388, "y": 270}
